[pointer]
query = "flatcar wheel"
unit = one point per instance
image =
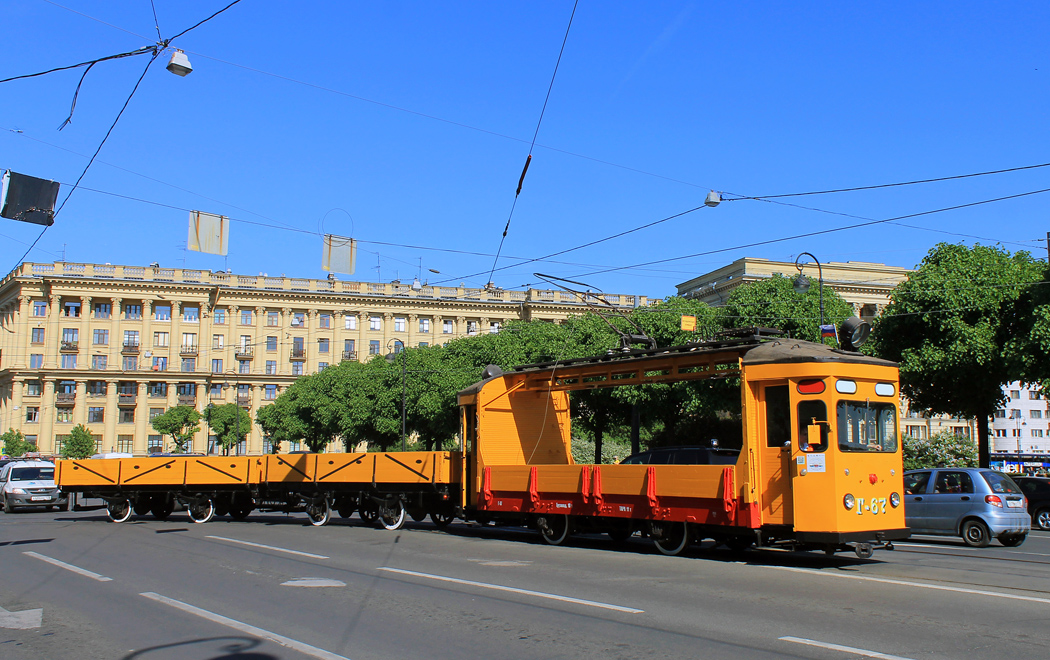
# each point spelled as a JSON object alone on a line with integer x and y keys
{"x": 418, "y": 515}
{"x": 369, "y": 512}
{"x": 393, "y": 517}
{"x": 142, "y": 506}
{"x": 441, "y": 519}
{"x": 162, "y": 507}
{"x": 346, "y": 510}
{"x": 119, "y": 511}
{"x": 240, "y": 511}
{"x": 201, "y": 511}
{"x": 671, "y": 538}
{"x": 319, "y": 513}
{"x": 554, "y": 528}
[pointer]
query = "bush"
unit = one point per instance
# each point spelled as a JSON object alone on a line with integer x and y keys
{"x": 942, "y": 450}
{"x": 613, "y": 451}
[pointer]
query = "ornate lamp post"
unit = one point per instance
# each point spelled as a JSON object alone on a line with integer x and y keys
{"x": 802, "y": 282}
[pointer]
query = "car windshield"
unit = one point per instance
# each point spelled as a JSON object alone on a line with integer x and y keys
{"x": 33, "y": 474}
{"x": 866, "y": 426}
{"x": 1000, "y": 483}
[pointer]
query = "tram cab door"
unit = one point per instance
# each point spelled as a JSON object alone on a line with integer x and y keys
{"x": 469, "y": 437}
{"x": 812, "y": 471}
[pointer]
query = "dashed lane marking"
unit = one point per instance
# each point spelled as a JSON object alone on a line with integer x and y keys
{"x": 69, "y": 567}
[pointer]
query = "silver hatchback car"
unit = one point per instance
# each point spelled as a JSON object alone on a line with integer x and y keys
{"x": 975, "y": 503}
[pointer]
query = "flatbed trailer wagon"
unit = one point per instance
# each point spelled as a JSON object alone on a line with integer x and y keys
{"x": 819, "y": 464}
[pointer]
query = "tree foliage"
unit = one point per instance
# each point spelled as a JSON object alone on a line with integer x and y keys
{"x": 79, "y": 444}
{"x": 960, "y": 327}
{"x": 181, "y": 423}
{"x": 775, "y": 303}
{"x": 944, "y": 449}
{"x": 15, "y": 444}
{"x": 229, "y": 424}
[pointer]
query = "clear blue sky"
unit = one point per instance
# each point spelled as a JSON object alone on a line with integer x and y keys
{"x": 414, "y": 119}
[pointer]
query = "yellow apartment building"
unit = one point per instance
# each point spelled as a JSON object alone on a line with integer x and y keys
{"x": 111, "y": 346}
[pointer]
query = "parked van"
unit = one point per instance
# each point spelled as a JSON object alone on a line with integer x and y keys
{"x": 975, "y": 503}
{"x": 30, "y": 484}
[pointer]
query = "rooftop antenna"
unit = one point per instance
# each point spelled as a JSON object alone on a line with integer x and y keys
{"x": 379, "y": 272}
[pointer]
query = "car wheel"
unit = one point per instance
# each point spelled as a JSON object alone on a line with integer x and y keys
{"x": 1012, "y": 540}
{"x": 1042, "y": 518}
{"x": 975, "y": 534}
{"x": 7, "y": 506}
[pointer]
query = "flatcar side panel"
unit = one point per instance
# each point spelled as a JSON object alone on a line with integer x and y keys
{"x": 341, "y": 468}
{"x": 290, "y": 468}
{"x": 217, "y": 470}
{"x": 169, "y": 471}
{"x": 88, "y": 473}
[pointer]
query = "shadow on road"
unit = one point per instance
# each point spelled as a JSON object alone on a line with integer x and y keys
{"x": 230, "y": 648}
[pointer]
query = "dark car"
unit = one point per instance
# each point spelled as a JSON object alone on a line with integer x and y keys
{"x": 1037, "y": 490}
{"x": 684, "y": 456}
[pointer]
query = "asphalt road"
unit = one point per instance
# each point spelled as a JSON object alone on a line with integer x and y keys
{"x": 274, "y": 587}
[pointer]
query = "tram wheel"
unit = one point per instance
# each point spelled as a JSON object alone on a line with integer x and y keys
{"x": 554, "y": 528}
{"x": 671, "y": 538}
{"x": 119, "y": 511}
{"x": 441, "y": 519}
{"x": 201, "y": 511}
{"x": 864, "y": 550}
{"x": 392, "y": 517}
{"x": 319, "y": 513}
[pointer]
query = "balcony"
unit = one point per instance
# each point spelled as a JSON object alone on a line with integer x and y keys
{"x": 244, "y": 400}
{"x": 350, "y": 355}
{"x": 130, "y": 348}
{"x": 187, "y": 399}
{"x": 70, "y": 346}
{"x": 244, "y": 352}
{"x": 298, "y": 354}
{"x": 65, "y": 399}
{"x": 189, "y": 350}
{"x": 126, "y": 398}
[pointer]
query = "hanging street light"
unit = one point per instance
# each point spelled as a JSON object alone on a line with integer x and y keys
{"x": 179, "y": 64}
{"x": 802, "y": 282}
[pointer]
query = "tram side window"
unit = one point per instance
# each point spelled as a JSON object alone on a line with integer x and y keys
{"x": 812, "y": 413}
{"x": 778, "y": 416}
{"x": 866, "y": 426}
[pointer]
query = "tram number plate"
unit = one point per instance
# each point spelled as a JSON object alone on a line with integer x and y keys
{"x": 874, "y": 506}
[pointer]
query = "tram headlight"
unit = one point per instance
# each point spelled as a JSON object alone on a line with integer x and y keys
{"x": 848, "y": 501}
{"x": 895, "y": 500}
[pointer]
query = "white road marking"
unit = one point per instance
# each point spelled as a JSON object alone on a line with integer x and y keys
{"x": 515, "y": 590}
{"x": 950, "y": 546}
{"x": 24, "y": 620}
{"x": 69, "y": 567}
{"x": 267, "y": 547}
{"x": 313, "y": 582}
{"x": 907, "y": 583}
{"x": 287, "y": 642}
{"x": 844, "y": 649}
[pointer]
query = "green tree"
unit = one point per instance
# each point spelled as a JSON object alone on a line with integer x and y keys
{"x": 277, "y": 424}
{"x": 79, "y": 444}
{"x": 944, "y": 449}
{"x": 774, "y": 303}
{"x": 960, "y": 326}
{"x": 229, "y": 424}
{"x": 15, "y": 444}
{"x": 181, "y": 423}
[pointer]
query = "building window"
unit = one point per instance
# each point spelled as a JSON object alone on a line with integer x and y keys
{"x": 321, "y": 366}
{"x": 160, "y": 364}
{"x": 322, "y": 345}
{"x": 217, "y": 341}
{"x": 64, "y": 415}
{"x": 350, "y": 322}
{"x": 130, "y": 363}
{"x": 472, "y": 327}
{"x": 38, "y": 336}
{"x": 101, "y": 337}
{"x": 127, "y": 415}
{"x": 399, "y": 325}
{"x": 1035, "y": 414}
{"x": 125, "y": 443}
{"x": 1035, "y": 395}
{"x": 298, "y": 320}
{"x": 102, "y": 310}
{"x": 71, "y": 309}
{"x": 1037, "y": 433}
{"x": 424, "y": 344}
{"x": 32, "y": 414}
{"x": 70, "y": 336}
{"x": 189, "y": 341}
{"x": 189, "y": 364}
{"x": 191, "y": 314}
{"x": 132, "y": 312}
{"x": 494, "y": 327}
{"x": 424, "y": 326}
{"x": 271, "y": 367}
{"x": 297, "y": 368}
{"x": 96, "y": 414}
{"x": 36, "y": 360}
{"x": 324, "y": 321}
{"x": 348, "y": 345}
{"x": 161, "y": 339}
{"x": 1000, "y": 433}
{"x": 373, "y": 347}
{"x": 446, "y": 327}
{"x": 39, "y": 308}
{"x": 244, "y": 366}
{"x": 69, "y": 361}
{"x": 97, "y": 388}
{"x": 131, "y": 338}
{"x": 157, "y": 390}
{"x": 216, "y": 366}
{"x": 270, "y": 392}
{"x": 219, "y": 317}
{"x": 1015, "y": 395}
{"x": 66, "y": 387}
{"x": 273, "y": 319}
{"x": 1000, "y": 414}
{"x": 375, "y": 323}
{"x": 99, "y": 362}
{"x": 162, "y": 313}
{"x": 246, "y": 317}
{"x": 34, "y": 388}
{"x": 271, "y": 343}
{"x": 154, "y": 444}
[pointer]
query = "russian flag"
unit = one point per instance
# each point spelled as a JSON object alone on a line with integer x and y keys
{"x": 829, "y": 331}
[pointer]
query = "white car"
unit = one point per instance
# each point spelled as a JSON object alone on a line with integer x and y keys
{"x": 30, "y": 484}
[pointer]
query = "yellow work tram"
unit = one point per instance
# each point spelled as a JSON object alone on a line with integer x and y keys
{"x": 817, "y": 465}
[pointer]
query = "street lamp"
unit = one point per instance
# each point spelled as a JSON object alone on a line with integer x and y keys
{"x": 390, "y": 357}
{"x": 1019, "y": 421}
{"x": 802, "y": 282}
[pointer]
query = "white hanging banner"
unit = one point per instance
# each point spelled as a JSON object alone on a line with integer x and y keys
{"x": 208, "y": 233}
{"x": 339, "y": 254}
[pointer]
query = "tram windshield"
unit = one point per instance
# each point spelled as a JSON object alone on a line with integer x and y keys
{"x": 866, "y": 426}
